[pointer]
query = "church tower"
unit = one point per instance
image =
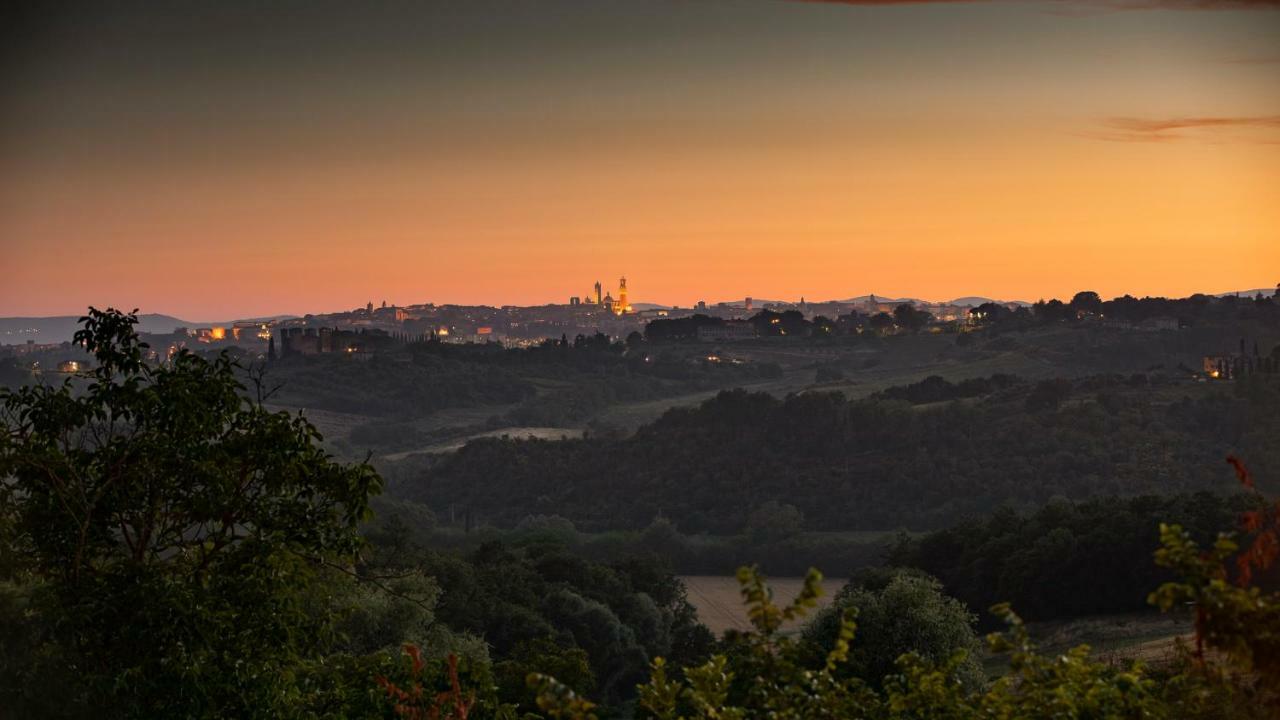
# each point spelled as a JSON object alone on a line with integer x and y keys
{"x": 622, "y": 306}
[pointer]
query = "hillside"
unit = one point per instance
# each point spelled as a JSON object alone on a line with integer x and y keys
{"x": 872, "y": 464}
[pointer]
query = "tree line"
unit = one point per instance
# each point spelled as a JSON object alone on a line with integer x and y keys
{"x": 868, "y": 464}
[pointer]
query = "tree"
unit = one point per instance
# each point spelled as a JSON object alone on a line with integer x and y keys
{"x": 899, "y": 611}
{"x": 988, "y": 313}
{"x": 169, "y": 535}
{"x": 1086, "y": 301}
{"x": 774, "y": 521}
{"x": 1048, "y": 394}
{"x": 1052, "y": 311}
{"x": 1236, "y": 618}
{"x": 763, "y": 673}
{"x": 569, "y": 665}
{"x": 881, "y": 322}
{"x": 905, "y": 315}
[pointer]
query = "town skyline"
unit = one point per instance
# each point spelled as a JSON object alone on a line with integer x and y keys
{"x": 635, "y": 305}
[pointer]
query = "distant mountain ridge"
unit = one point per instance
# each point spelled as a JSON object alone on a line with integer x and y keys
{"x": 1264, "y": 292}
{"x": 60, "y": 328}
{"x": 966, "y": 301}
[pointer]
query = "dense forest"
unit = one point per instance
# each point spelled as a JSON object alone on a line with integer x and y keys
{"x": 871, "y": 464}
{"x": 1066, "y": 559}
{"x": 540, "y": 606}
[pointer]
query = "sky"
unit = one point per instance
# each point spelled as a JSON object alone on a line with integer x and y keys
{"x": 215, "y": 160}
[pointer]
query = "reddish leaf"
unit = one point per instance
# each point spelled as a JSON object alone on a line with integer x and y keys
{"x": 1242, "y": 472}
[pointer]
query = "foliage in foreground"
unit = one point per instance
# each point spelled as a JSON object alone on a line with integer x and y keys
{"x": 1066, "y": 560}
{"x": 766, "y": 674}
{"x": 1233, "y": 672}
{"x": 168, "y": 546}
{"x": 899, "y": 610}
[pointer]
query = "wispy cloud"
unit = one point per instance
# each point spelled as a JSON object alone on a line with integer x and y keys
{"x": 1131, "y": 129}
{"x": 1083, "y": 4}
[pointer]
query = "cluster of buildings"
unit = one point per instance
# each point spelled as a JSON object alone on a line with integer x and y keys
{"x": 240, "y": 331}
{"x": 364, "y": 330}
{"x": 297, "y": 340}
{"x": 618, "y": 306}
{"x": 1231, "y": 366}
{"x": 367, "y": 329}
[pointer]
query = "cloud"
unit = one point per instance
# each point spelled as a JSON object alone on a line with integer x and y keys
{"x": 1083, "y": 4}
{"x": 1131, "y": 129}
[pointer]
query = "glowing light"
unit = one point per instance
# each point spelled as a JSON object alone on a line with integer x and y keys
{"x": 218, "y": 333}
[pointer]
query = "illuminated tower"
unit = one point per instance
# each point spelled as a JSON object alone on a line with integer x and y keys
{"x": 622, "y": 296}
{"x": 599, "y": 297}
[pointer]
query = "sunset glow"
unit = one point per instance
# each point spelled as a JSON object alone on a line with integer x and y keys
{"x": 706, "y": 150}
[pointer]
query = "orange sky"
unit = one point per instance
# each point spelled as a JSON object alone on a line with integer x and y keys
{"x": 707, "y": 152}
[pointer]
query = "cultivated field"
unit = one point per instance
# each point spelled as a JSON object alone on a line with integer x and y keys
{"x": 718, "y": 599}
{"x": 1149, "y": 637}
{"x": 521, "y": 433}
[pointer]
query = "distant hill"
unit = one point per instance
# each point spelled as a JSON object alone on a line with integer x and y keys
{"x": 18, "y": 330}
{"x": 755, "y": 302}
{"x": 976, "y": 300}
{"x": 971, "y": 301}
{"x": 1265, "y": 292}
{"x": 967, "y": 301}
{"x": 879, "y": 298}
